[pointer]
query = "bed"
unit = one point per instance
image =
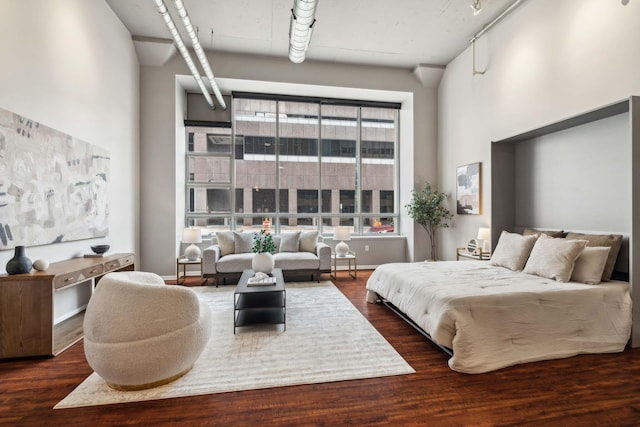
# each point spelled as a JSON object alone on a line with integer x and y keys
{"x": 489, "y": 317}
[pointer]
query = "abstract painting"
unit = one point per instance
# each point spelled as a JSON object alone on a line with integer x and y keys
{"x": 468, "y": 189}
{"x": 53, "y": 187}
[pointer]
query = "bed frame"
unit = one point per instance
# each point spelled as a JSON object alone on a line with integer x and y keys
{"x": 406, "y": 318}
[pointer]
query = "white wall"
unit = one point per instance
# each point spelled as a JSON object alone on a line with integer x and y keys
{"x": 70, "y": 64}
{"x": 546, "y": 61}
{"x": 162, "y": 203}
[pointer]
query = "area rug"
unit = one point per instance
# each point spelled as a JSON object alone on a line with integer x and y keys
{"x": 326, "y": 339}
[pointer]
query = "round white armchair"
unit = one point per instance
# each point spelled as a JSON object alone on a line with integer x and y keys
{"x": 141, "y": 333}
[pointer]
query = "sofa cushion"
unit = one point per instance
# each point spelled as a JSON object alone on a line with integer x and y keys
{"x": 289, "y": 242}
{"x": 296, "y": 261}
{"x": 226, "y": 242}
{"x": 234, "y": 263}
{"x": 308, "y": 240}
{"x": 243, "y": 242}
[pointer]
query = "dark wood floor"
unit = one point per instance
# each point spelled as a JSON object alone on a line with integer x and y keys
{"x": 587, "y": 390}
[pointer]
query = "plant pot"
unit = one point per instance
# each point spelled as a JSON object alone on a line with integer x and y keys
{"x": 19, "y": 264}
{"x": 263, "y": 262}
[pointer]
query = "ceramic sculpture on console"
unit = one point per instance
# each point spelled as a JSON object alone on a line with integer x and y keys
{"x": 20, "y": 263}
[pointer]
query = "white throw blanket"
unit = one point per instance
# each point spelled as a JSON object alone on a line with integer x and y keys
{"x": 493, "y": 317}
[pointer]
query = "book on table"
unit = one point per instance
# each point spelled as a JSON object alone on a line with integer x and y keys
{"x": 261, "y": 281}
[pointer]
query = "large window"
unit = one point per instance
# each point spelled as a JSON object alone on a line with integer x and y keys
{"x": 295, "y": 164}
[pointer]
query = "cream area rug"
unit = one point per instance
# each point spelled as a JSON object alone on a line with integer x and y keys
{"x": 326, "y": 339}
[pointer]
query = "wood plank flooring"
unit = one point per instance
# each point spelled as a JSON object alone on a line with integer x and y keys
{"x": 587, "y": 390}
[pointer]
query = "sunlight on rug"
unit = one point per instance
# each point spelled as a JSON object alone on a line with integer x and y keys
{"x": 327, "y": 339}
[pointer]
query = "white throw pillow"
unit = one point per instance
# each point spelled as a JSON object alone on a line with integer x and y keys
{"x": 512, "y": 250}
{"x": 590, "y": 265}
{"x": 554, "y": 258}
{"x": 308, "y": 241}
{"x": 243, "y": 242}
{"x": 226, "y": 242}
{"x": 289, "y": 242}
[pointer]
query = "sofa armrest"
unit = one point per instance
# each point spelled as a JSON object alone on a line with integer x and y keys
{"x": 324, "y": 255}
{"x": 210, "y": 257}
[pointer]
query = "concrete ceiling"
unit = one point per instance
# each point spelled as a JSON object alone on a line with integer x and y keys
{"x": 400, "y": 33}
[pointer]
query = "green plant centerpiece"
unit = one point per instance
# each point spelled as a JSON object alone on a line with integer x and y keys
{"x": 263, "y": 242}
{"x": 426, "y": 208}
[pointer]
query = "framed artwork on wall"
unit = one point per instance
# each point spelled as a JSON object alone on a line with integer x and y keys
{"x": 53, "y": 186}
{"x": 468, "y": 189}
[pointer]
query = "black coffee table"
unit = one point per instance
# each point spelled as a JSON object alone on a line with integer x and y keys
{"x": 261, "y": 303}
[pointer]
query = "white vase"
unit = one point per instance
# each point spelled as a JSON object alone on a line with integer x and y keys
{"x": 263, "y": 262}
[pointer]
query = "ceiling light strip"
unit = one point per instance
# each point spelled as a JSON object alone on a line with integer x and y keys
{"x": 183, "y": 50}
{"x": 301, "y": 28}
{"x": 197, "y": 47}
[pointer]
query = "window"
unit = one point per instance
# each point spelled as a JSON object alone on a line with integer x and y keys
{"x": 296, "y": 163}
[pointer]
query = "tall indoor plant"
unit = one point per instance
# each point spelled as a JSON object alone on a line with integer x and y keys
{"x": 427, "y": 209}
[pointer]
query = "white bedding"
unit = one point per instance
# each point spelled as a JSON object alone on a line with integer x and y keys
{"x": 493, "y": 317}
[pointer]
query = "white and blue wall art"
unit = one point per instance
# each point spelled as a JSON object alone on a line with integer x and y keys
{"x": 53, "y": 187}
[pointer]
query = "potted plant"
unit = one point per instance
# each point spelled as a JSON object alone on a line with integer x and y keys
{"x": 426, "y": 208}
{"x": 263, "y": 248}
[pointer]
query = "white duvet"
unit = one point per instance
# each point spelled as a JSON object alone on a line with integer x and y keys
{"x": 493, "y": 317}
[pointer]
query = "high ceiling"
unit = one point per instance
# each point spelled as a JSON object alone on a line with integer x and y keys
{"x": 396, "y": 33}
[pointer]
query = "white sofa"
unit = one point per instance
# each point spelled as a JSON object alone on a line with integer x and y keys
{"x": 298, "y": 253}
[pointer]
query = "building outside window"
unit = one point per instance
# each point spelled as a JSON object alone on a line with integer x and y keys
{"x": 299, "y": 164}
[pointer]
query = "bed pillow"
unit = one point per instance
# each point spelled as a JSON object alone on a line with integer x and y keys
{"x": 554, "y": 258}
{"x": 307, "y": 242}
{"x": 243, "y": 242}
{"x": 289, "y": 242}
{"x": 512, "y": 250}
{"x": 550, "y": 233}
{"x": 226, "y": 242}
{"x": 590, "y": 265}
{"x": 614, "y": 241}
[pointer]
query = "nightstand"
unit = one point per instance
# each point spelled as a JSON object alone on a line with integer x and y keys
{"x": 184, "y": 262}
{"x": 351, "y": 256}
{"x": 464, "y": 253}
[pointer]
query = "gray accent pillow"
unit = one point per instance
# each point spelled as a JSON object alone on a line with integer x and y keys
{"x": 614, "y": 241}
{"x": 308, "y": 240}
{"x": 243, "y": 242}
{"x": 289, "y": 241}
{"x": 550, "y": 233}
{"x": 590, "y": 265}
{"x": 226, "y": 242}
{"x": 554, "y": 258}
{"x": 512, "y": 250}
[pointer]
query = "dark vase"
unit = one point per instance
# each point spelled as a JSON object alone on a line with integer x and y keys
{"x": 20, "y": 263}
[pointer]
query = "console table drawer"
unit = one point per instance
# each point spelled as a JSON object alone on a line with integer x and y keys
{"x": 118, "y": 263}
{"x": 63, "y": 280}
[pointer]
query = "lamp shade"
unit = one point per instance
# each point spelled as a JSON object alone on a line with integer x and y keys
{"x": 342, "y": 233}
{"x": 484, "y": 233}
{"x": 191, "y": 235}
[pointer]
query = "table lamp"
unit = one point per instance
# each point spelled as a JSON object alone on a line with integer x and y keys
{"x": 484, "y": 234}
{"x": 342, "y": 233}
{"x": 193, "y": 236}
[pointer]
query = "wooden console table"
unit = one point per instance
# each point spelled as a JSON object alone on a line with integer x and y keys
{"x": 26, "y": 305}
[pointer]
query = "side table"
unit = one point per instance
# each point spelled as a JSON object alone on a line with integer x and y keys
{"x": 184, "y": 262}
{"x": 351, "y": 256}
{"x": 464, "y": 253}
